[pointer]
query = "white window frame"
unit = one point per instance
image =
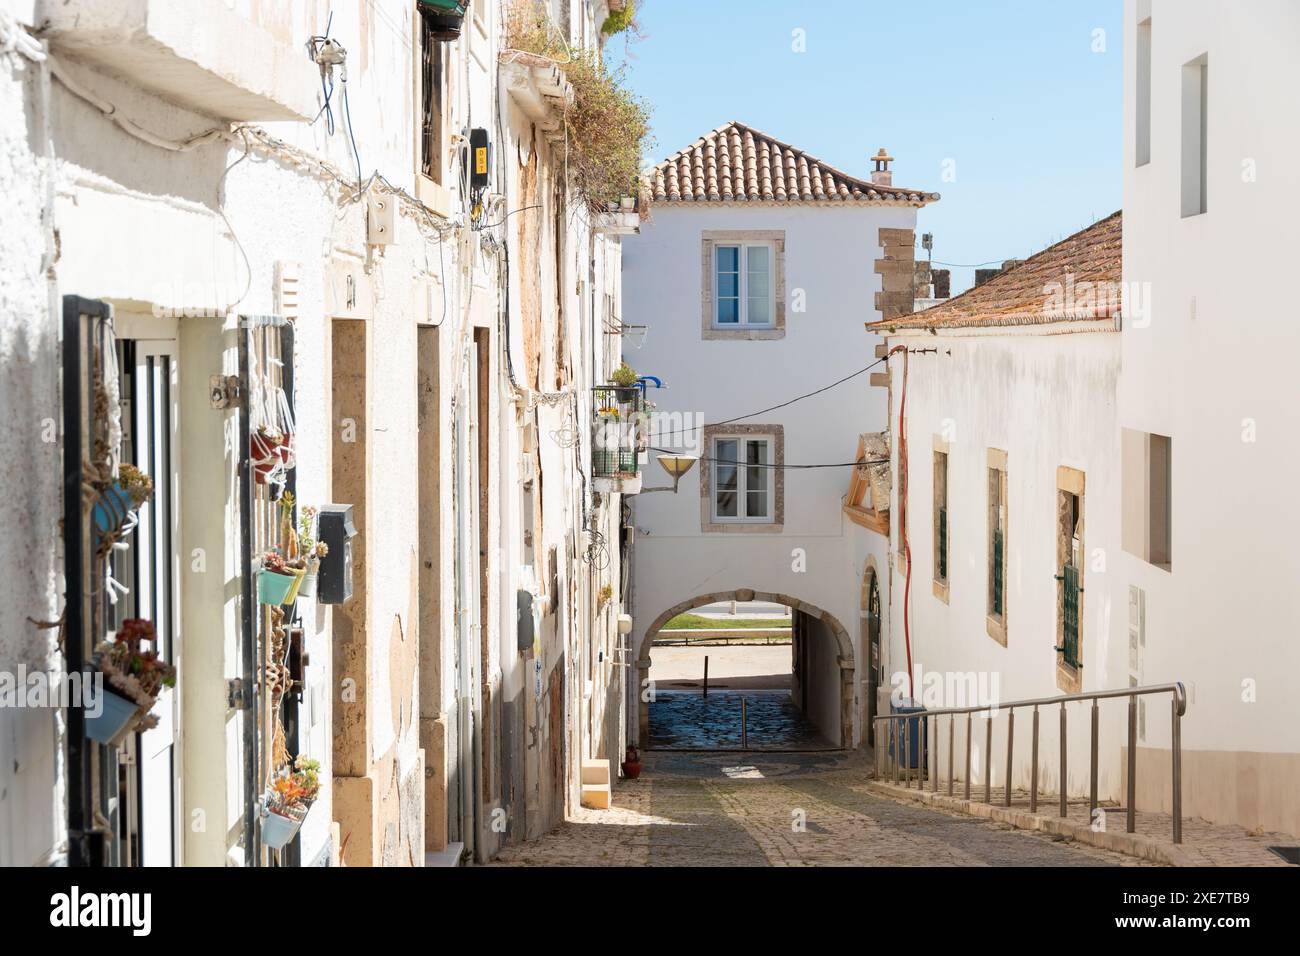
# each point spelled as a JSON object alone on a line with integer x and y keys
{"x": 742, "y": 490}
{"x": 742, "y": 313}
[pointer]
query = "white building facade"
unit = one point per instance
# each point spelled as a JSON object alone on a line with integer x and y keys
{"x": 1208, "y": 538}
{"x": 750, "y": 285}
{"x": 270, "y": 226}
{"x": 1006, "y": 396}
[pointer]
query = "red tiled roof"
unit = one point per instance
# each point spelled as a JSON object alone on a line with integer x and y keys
{"x": 1076, "y": 280}
{"x": 737, "y": 163}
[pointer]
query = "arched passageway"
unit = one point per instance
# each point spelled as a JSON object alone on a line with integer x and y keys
{"x": 822, "y": 664}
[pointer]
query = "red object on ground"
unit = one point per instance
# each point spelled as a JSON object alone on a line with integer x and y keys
{"x": 632, "y": 763}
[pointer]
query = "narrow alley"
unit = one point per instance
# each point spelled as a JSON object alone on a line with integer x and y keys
{"x": 810, "y": 809}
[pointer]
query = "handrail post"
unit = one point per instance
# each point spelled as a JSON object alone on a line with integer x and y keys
{"x": 969, "y": 730}
{"x": 907, "y": 754}
{"x": 895, "y": 738}
{"x": 952, "y": 723}
{"x": 988, "y": 759}
{"x": 1064, "y": 788}
{"x": 1092, "y": 767}
{"x": 1131, "y": 824}
{"x": 880, "y": 751}
{"x": 1033, "y": 770}
{"x": 1011, "y": 742}
{"x": 1176, "y": 754}
{"x": 934, "y": 770}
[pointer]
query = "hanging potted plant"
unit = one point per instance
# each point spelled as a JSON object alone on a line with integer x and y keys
{"x": 311, "y": 550}
{"x": 444, "y": 17}
{"x": 137, "y": 676}
{"x": 116, "y": 504}
{"x": 270, "y": 444}
{"x": 264, "y": 452}
{"x": 625, "y": 378}
{"x": 276, "y": 580}
{"x": 287, "y": 802}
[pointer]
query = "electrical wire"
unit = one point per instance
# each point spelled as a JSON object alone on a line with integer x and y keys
{"x": 967, "y": 265}
{"x": 772, "y": 408}
{"x": 347, "y": 114}
{"x": 781, "y": 466}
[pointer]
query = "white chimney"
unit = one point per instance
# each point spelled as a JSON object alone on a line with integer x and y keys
{"x": 881, "y": 176}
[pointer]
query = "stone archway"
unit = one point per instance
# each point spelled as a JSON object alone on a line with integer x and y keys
{"x": 844, "y": 645}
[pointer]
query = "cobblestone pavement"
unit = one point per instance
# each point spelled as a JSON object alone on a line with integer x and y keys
{"x": 1204, "y": 844}
{"x": 686, "y": 720}
{"x": 805, "y": 809}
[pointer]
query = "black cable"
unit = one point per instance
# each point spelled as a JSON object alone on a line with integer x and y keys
{"x": 967, "y": 265}
{"x": 798, "y": 398}
{"x": 501, "y": 221}
{"x": 327, "y": 91}
{"x": 747, "y": 464}
{"x": 347, "y": 113}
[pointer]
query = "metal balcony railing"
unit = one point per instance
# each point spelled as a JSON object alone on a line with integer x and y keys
{"x": 909, "y": 735}
{"x": 618, "y": 425}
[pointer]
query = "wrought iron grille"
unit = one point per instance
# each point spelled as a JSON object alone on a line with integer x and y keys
{"x": 943, "y": 544}
{"x": 998, "y": 546}
{"x": 1070, "y": 618}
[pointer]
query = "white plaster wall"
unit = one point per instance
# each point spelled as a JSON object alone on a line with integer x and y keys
{"x": 1215, "y": 362}
{"x": 829, "y": 255}
{"x": 1046, "y": 400}
{"x": 143, "y": 227}
{"x": 31, "y": 821}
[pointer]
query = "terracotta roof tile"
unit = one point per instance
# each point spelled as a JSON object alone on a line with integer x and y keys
{"x": 1077, "y": 279}
{"x": 737, "y": 163}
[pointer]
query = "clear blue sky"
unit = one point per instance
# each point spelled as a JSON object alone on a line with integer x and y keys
{"x": 1010, "y": 90}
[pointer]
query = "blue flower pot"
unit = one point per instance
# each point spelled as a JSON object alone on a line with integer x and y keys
{"x": 277, "y": 831}
{"x": 273, "y": 588}
{"x": 111, "y": 511}
{"x": 116, "y": 712}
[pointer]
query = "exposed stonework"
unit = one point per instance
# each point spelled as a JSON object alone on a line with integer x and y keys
{"x": 896, "y": 267}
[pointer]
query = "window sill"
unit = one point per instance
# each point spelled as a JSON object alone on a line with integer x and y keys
{"x": 941, "y": 590}
{"x": 1068, "y": 679}
{"x": 433, "y": 195}
{"x": 743, "y": 334}
{"x": 742, "y": 527}
{"x": 997, "y": 628}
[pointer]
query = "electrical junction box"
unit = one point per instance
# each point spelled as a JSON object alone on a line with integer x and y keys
{"x": 480, "y": 158}
{"x": 381, "y": 220}
{"x": 334, "y": 579}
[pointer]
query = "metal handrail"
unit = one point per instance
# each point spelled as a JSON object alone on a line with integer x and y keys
{"x": 888, "y": 752}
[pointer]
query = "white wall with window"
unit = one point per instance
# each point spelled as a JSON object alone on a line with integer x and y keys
{"x": 1207, "y": 396}
{"x": 773, "y": 308}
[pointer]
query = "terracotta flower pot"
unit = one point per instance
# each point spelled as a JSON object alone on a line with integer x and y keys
{"x": 264, "y": 451}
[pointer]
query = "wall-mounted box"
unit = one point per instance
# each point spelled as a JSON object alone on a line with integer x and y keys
{"x": 334, "y": 579}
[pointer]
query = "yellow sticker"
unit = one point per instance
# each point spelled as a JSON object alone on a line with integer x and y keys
{"x": 480, "y": 160}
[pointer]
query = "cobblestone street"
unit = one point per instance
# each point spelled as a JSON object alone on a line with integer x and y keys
{"x": 745, "y": 810}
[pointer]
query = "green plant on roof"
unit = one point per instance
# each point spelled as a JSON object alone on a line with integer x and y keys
{"x": 620, "y": 20}
{"x": 607, "y": 127}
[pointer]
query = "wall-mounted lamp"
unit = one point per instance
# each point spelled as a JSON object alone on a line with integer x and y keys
{"x": 676, "y": 466}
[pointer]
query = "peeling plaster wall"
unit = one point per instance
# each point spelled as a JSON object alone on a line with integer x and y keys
{"x": 31, "y": 775}
{"x": 142, "y": 227}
